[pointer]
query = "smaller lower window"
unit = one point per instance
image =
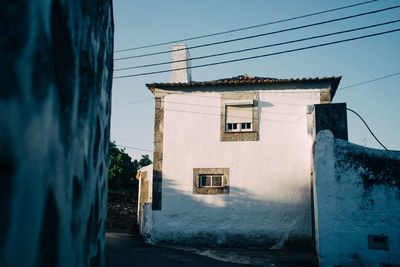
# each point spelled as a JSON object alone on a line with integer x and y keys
{"x": 206, "y": 180}
{"x": 211, "y": 181}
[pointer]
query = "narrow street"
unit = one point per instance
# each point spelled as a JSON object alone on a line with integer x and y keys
{"x": 124, "y": 250}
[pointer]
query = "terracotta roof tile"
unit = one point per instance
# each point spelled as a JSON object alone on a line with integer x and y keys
{"x": 247, "y": 79}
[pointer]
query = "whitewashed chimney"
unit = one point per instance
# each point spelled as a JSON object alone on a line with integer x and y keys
{"x": 181, "y": 64}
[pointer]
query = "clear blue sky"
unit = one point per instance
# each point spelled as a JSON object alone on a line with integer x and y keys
{"x": 139, "y": 23}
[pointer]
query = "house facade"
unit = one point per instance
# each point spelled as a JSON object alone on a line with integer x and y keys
{"x": 233, "y": 161}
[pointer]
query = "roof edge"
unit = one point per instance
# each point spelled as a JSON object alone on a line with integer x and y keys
{"x": 334, "y": 80}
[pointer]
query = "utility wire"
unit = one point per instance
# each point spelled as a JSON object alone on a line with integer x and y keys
{"x": 260, "y": 56}
{"x": 147, "y": 150}
{"x": 262, "y": 34}
{"x": 373, "y": 80}
{"x": 260, "y": 47}
{"x": 367, "y": 127}
{"x": 136, "y": 148}
{"x": 246, "y": 28}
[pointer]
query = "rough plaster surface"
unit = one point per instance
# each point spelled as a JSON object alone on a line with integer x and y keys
{"x": 55, "y": 89}
{"x": 182, "y": 63}
{"x": 145, "y": 201}
{"x": 269, "y": 203}
{"x": 356, "y": 194}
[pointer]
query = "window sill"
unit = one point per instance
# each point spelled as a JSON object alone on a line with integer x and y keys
{"x": 235, "y": 132}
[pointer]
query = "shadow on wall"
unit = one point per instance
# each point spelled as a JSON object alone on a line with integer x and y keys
{"x": 234, "y": 220}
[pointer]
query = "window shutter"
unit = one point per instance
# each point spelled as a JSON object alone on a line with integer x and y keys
{"x": 239, "y": 114}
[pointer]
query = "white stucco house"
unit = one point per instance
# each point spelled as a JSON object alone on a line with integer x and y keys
{"x": 233, "y": 160}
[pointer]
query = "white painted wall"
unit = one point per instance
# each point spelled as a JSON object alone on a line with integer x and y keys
{"x": 270, "y": 194}
{"x": 346, "y": 213}
{"x": 181, "y": 66}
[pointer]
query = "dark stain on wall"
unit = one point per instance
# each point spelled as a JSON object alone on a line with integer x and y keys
{"x": 76, "y": 200}
{"x": 7, "y": 171}
{"x": 48, "y": 251}
{"x": 13, "y": 13}
{"x": 42, "y": 61}
{"x": 376, "y": 170}
{"x": 63, "y": 66}
{"x": 374, "y": 167}
{"x": 97, "y": 139}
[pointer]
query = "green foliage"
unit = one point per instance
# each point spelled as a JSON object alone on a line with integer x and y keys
{"x": 122, "y": 170}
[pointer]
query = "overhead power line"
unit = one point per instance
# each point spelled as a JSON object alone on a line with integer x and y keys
{"x": 136, "y": 148}
{"x": 369, "y": 81}
{"x": 261, "y": 56}
{"x": 367, "y": 128}
{"x": 260, "y": 47}
{"x": 262, "y": 34}
{"x": 246, "y": 28}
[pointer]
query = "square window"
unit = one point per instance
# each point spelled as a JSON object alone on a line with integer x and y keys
{"x": 239, "y": 116}
{"x": 211, "y": 181}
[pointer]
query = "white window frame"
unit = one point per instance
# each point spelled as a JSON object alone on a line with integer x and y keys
{"x": 212, "y": 176}
{"x": 239, "y": 127}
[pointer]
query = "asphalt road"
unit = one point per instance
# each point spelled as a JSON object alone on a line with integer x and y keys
{"x": 124, "y": 250}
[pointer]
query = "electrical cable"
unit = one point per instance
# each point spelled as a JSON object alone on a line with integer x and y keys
{"x": 373, "y": 80}
{"x": 260, "y": 56}
{"x": 246, "y": 28}
{"x": 367, "y": 127}
{"x": 260, "y": 47}
{"x": 262, "y": 34}
{"x": 136, "y": 148}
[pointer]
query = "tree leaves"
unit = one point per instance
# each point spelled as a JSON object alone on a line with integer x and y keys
{"x": 122, "y": 170}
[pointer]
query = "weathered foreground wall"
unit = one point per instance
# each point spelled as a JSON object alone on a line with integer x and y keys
{"x": 357, "y": 204}
{"x": 55, "y": 89}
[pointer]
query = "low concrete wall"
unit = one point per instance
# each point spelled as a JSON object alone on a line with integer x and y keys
{"x": 56, "y": 60}
{"x": 357, "y": 203}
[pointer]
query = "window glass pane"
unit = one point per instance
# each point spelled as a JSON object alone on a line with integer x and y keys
{"x": 208, "y": 180}
{"x": 229, "y": 126}
{"x": 217, "y": 181}
{"x": 248, "y": 125}
{"x": 203, "y": 180}
{"x": 234, "y": 126}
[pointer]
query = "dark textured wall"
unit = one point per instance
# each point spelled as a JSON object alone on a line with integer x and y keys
{"x": 55, "y": 91}
{"x": 332, "y": 117}
{"x": 122, "y": 212}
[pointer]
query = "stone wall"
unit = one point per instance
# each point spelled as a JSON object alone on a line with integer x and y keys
{"x": 357, "y": 204}
{"x": 56, "y": 62}
{"x": 121, "y": 213}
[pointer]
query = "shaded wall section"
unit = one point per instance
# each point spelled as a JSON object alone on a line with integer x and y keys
{"x": 122, "y": 212}
{"x": 56, "y": 62}
{"x": 357, "y": 204}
